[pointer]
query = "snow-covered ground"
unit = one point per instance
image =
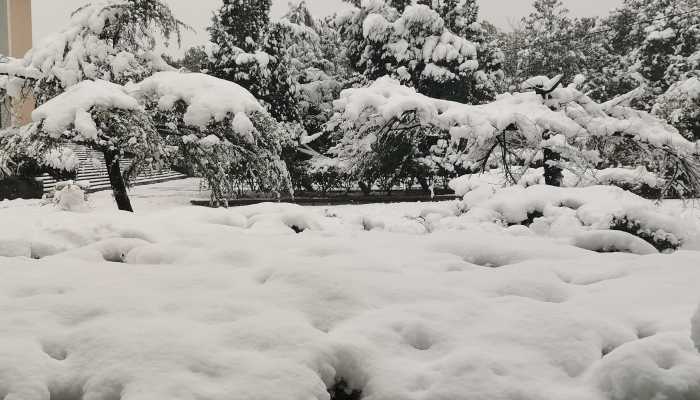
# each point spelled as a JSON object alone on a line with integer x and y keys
{"x": 180, "y": 302}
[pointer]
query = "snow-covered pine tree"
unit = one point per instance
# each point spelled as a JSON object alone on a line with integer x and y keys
{"x": 108, "y": 40}
{"x": 220, "y": 130}
{"x": 260, "y": 61}
{"x": 289, "y": 71}
{"x": 655, "y": 42}
{"x": 419, "y": 48}
{"x": 99, "y": 115}
{"x": 550, "y": 41}
{"x": 299, "y": 14}
{"x": 236, "y": 33}
{"x": 515, "y": 130}
{"x": 240, "y": 24}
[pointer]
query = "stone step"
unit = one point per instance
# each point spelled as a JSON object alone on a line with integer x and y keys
{"x": 93, "y": 170}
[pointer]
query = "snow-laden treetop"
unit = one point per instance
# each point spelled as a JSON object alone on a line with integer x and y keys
{"x": 72, "y": 108}
{"x": 112, "y": 40}
{"x": 567, "y": 111}
{"x": 418, "y": 34}
{"x": 207, "y": 98}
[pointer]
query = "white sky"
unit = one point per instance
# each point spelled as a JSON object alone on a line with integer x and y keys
{"x": 52, "y": 15}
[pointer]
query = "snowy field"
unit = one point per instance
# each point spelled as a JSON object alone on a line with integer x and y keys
{"x": 398, "y": 301}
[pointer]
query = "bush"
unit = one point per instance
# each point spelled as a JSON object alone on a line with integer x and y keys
{"x": 20, "y": 187}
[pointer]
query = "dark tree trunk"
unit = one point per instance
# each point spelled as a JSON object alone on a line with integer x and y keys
{"x": 552, "y": 173}
{"x": 424, "y": 184}
{"x": 116, "y": 180}
{"x": 365, "y": 188}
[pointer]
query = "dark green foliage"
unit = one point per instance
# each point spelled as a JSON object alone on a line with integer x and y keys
{"x": 662, "y": 241}
{"x": 232, "y": 164}
{"x": 20, "y": 187}
{"x": 341, "y": 391}
{"x": 240, "y": 23}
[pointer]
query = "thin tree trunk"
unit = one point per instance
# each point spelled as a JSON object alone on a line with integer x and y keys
{"x": 116, "y": 180}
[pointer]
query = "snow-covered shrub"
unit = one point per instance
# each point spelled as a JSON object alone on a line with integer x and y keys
{"x": 327, "y": 174}
{"x": 219, "y": 128}
{"x": 389, "y": 153}
{"x": 613, "y": 241}
{"x": 636, "y": 180}
{"x": 653, "y": 234}
{"x": 570, "y": 212}
{"x": 70, "y": 196}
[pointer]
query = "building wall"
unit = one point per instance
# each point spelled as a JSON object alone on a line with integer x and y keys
{"x": 20, "y": 27}
{"x": 4, "y": 30}
{"x": 15, "y": 41}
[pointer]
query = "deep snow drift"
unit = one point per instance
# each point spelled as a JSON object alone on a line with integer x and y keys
{"x": 399, "y": 301}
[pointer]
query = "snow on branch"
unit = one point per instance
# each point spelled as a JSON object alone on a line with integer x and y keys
{"x": 567, "y": 112}
{"x": 112, "y": 40}
{"x": 72, "y": 108}
{"x": 208, "y": 99}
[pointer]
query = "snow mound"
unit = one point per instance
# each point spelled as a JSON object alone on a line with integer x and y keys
{"x": 194, "y": 302}
{"x": 613, "y": 241}
{"x": 70, "y": 197}
{"x": 636, "y": 180}
{"x": 659, "y": 367}
{"x": 570, "y": 212}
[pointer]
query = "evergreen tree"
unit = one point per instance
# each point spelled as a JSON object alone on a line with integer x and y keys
{"x": 299, "y": 14}
{"x": 258, "y": 61}
{"x": 555, "y": 43}
{"x": 435, "y": 46}
{"x": 241, "y": 24}
{"x": 655, "y": 42}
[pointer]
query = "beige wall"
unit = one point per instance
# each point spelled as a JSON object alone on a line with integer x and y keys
{"x": 20, "y": 26}
{"x": 19, "y": 34}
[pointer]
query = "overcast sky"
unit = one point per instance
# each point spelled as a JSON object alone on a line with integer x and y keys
{"x": 51, "y": 15}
